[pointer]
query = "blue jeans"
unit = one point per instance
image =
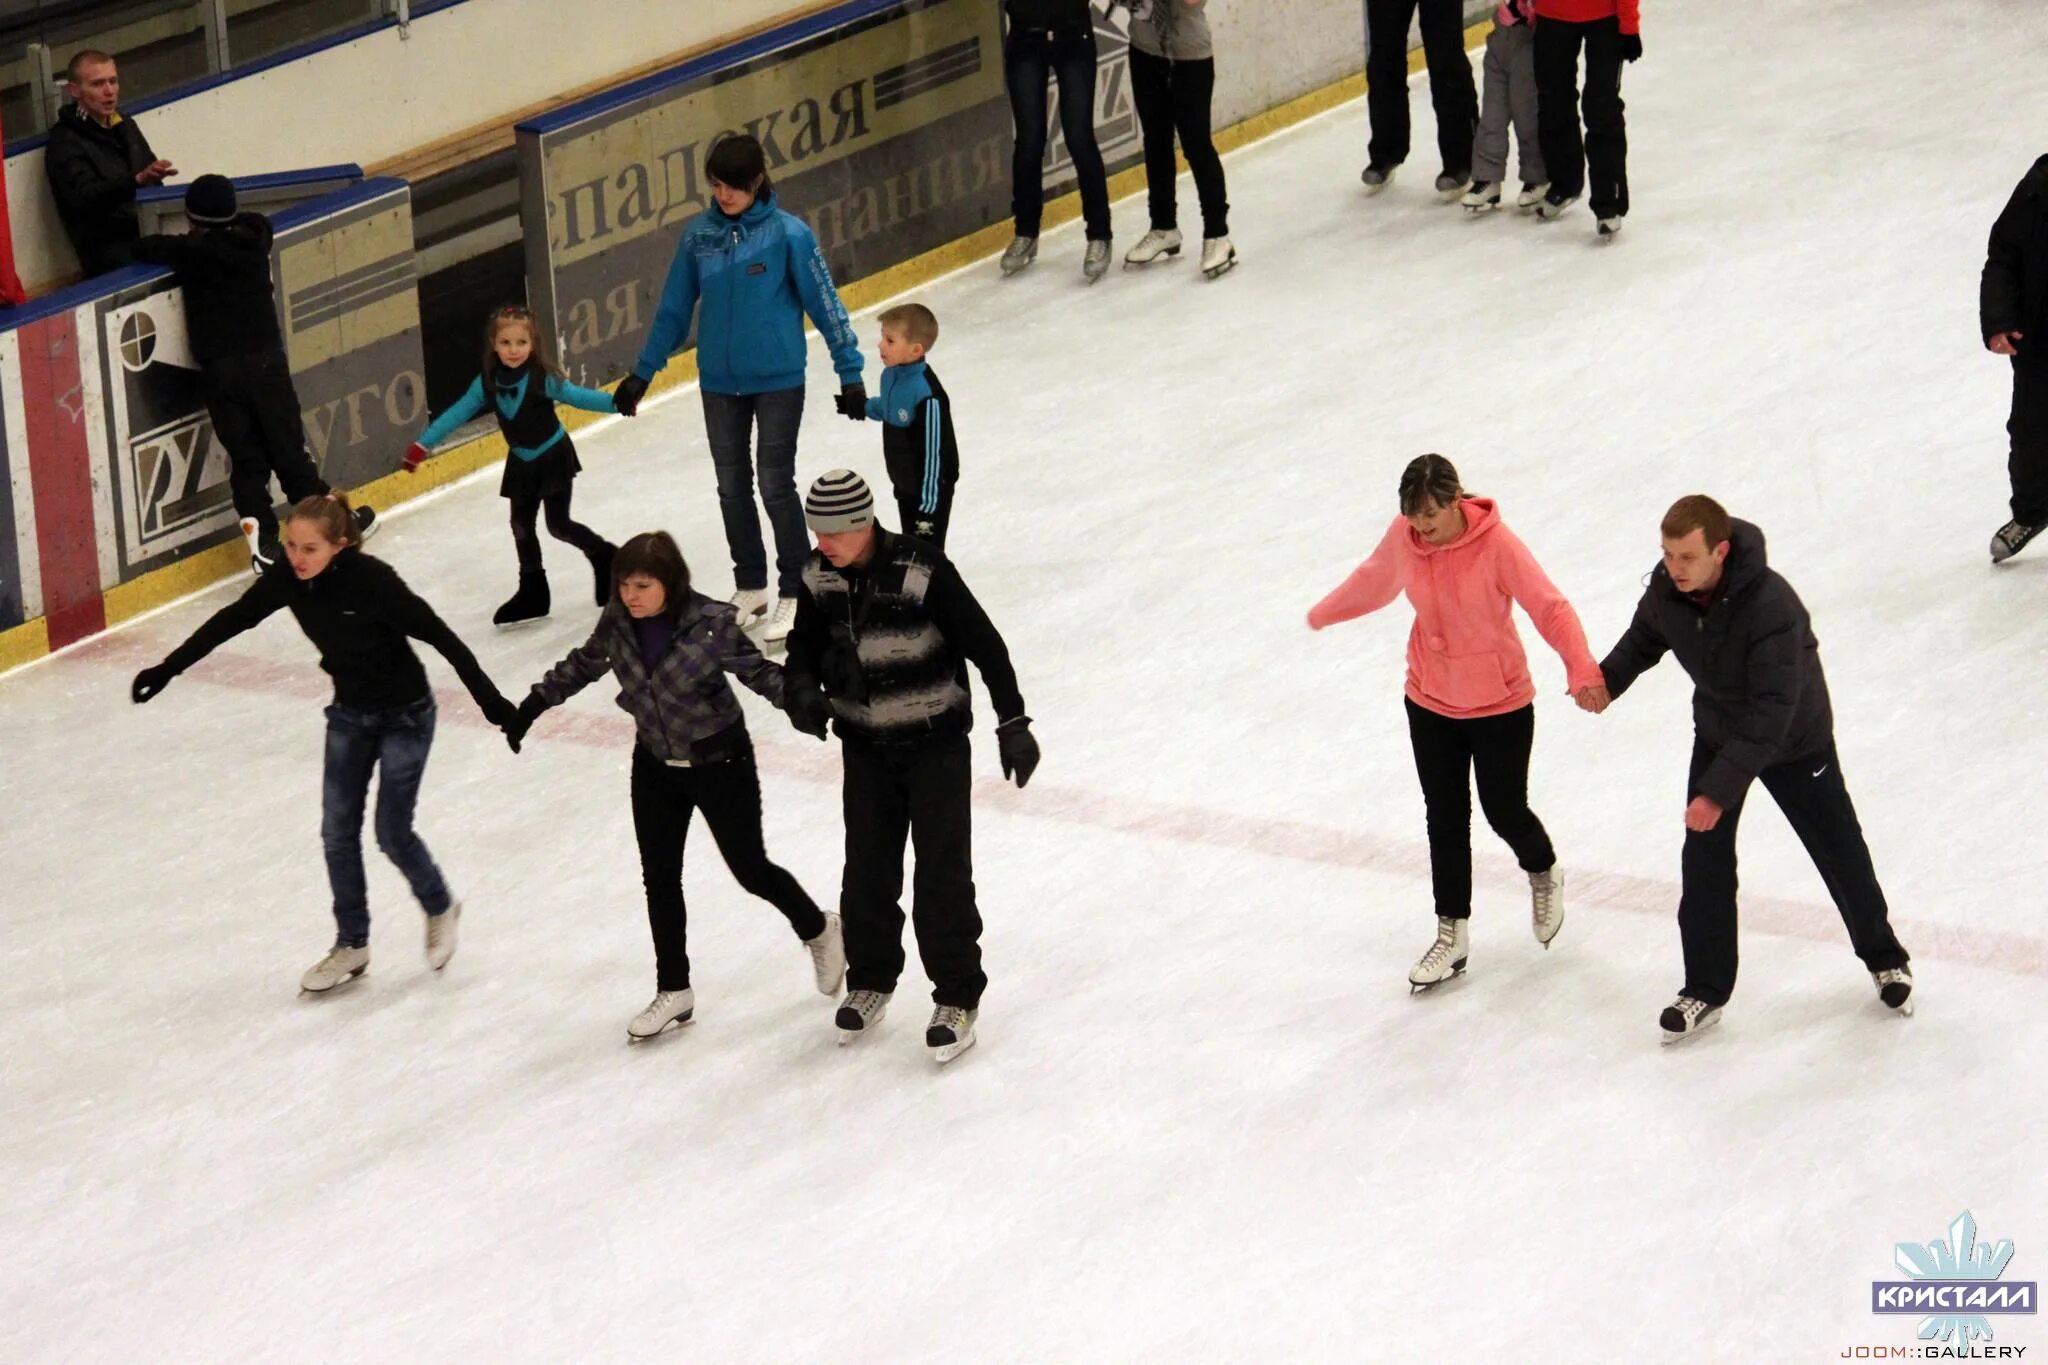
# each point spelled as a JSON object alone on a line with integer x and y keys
{"x": 729, "y": 420}
{"x": 1029, "y": 59}
{"x": 358, "y": 741}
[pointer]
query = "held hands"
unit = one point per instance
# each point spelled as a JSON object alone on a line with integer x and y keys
{"x": 2004, "y": 343}
{"x": 1703, "y": 814}
{"x": 1631, "y": 46}
{"x": 1593, "y": 699}
{"x": 626, "y": 397}
{"x": 149, "y": 682}
{"x": 1018, "y": 749}
{"x": 415, "y": 454}
{"x": 155, "y": 173}
{"x": 804, "y": 700}
{"x": 852, "y": 401}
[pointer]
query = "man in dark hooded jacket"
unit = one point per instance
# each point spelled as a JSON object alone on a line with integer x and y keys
{"x": 2012, "y": 310}
{"x": 223, "y": 265}
{"x": 1760, "y": 714}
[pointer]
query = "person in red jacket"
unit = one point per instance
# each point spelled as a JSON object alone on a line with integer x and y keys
{"x": 1609, "y": 30}
{"x": 1470, "y": 699}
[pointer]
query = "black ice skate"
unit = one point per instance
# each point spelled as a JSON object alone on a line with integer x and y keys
{"x": 530, "y": 603}
{"x": 1555, "y": 205}
{"x": 860, "y": 1013}
{"x": 1895, "y": 988}
{"x": 2010, "y": 540}
{"x": 1377, "y": 176}
{"x": 1483, "y": 197}
{"x": 950, "y": 1033}
{"x": 366, "y": 523}
{"x": 1686, "y": 1017}
{"x": 1451, "y": 184}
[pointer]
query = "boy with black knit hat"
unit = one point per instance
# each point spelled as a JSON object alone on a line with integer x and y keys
{"x": 918, "y": 445}
{"x": 223, "y": 265}
{"x": 884, "y": 629}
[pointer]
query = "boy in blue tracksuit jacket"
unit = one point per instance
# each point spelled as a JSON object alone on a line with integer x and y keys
{"x": 756, "y": 271}
{"x": 918, "y": 445}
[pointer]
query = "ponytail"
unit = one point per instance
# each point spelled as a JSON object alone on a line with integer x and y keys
{"x": 330, "y": 511}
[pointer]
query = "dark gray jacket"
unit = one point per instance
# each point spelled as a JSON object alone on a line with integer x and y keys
{"x": 2013, "y": 293}
{"x": 1759, "y": 697}
{"x": 683, "y": 708}
{"x": 92, "y": 171}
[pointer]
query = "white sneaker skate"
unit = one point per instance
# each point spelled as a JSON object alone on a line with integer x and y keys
{"x": 828, "y": 956}
{"x": 860, "y": 1012}
{"x": 752, "y": 604}
{"x": 1445, "y": 959}
{"x": 1546, "y": 904}
{"x": 950, "y": 1033}
{"x": 1895, "y": 988}
{"x": 341, "y": 964}
{"x": 779, "y": 621}
{"x": 1218, "y": 256}
{"x": 1021, "y": 252}
{"x": 1556, "y": 204}
{"x": 1153, "y": 245}
{"x": 668, "y": 1009}
{"x": 1685, "y": 1016}
{"x": 441, "y": 935}
{"x": 1531, "y": 197}
{"x": 1483, "y": 197}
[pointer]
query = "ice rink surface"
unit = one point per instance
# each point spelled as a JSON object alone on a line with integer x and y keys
{"x": 1205, "y": 1117}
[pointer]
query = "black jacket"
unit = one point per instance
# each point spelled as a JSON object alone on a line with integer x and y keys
{"x": 890, "y": 644}
{"x": 230, "y": 303}
{"x": 1759, "y": 697}
{"x": 2013, "y": 295}
{"x": 682, "y": 708}
{"x": 92, "y": 174}
{"x": 1065, "y": 16}
{"x": 358, "y": 612}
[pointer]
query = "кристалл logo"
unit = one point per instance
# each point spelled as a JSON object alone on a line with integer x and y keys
{"x": 1955, "y": 1284}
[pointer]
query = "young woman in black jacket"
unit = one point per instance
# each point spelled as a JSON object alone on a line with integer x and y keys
{"x": 671, "y": 649}
{"x": 359, "y": 613}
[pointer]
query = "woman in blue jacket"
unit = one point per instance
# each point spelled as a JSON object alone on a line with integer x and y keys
{"x": 758, "y": 271}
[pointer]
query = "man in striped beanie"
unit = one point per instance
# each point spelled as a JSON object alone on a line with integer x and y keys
{"x": 884, "y": 631}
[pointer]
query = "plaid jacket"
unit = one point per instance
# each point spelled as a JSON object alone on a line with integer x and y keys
{"x": 683, "y": 707}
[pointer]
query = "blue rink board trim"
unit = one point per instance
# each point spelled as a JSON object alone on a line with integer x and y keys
{"x": 787, "y": 35}
{"x": 130, "y": 276}
{"x": 269, "y": 180}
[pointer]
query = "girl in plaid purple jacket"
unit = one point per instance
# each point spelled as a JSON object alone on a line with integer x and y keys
{"x": 671, "y": 649}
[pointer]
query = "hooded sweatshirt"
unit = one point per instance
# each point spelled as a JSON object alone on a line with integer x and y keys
{"x": 1464, "y": 658}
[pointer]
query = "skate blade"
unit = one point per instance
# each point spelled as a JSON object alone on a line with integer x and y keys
{"x": 949, "y": 1051}
{"x": 1218, "y": 272}
{"x": 1670, "y": 1039}
{"x": 523, "y": 623}
{"x": 1424, "y": 987}
{"x": 356, "y": 975}
{"x": 1478, "y": 210}
{"x": 670, "y": 1027}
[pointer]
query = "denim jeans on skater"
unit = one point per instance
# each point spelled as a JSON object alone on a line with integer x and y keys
{"x": 729, "y": 422}
{"x": 1029, "y": 59}
{"x": 396, "y": 743}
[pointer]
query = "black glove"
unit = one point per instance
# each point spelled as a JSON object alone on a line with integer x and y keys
{"x": 1631, "y": 46}
{"x": 150, "y": 681}
{"x": 852, "y": 401}
{"x": 521, "y": 719}
{"x": 1018, "y": 748}
{"x": 626, "y": 397}
{"x": 805, "y": 702}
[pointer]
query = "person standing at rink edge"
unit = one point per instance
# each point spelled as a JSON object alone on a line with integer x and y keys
{"x": 1610, "y": 32}
{"x": 884, "y": 632}
{"x": 1451, "y": 90}
{"x": 2012, "y": 308}
{"x": 758, "y": 271}
{"x": 1760, "y": 713}
{"x": 1052, "y": 40}
{"x": 1173, "y": 77}
{"x": 1470, "y": 701}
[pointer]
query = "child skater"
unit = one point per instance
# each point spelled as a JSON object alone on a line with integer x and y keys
{"x": 917, "y": 436}
{"x": 1510, "y": 97}
{"x": 357, "y": 612}
{"x": 541, "y": 464}
{"x": 670, "y": 648}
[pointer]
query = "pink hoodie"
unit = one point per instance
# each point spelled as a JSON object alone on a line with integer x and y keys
{"x": 1464, "y": 657}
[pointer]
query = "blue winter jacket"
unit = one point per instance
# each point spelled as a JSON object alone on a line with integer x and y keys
{"x": 757, "y": 275}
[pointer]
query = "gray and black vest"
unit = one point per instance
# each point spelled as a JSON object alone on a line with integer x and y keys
{"x": 908, "y": 682}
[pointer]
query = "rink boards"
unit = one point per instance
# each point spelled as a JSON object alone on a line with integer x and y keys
{"x": 114, "y": 475}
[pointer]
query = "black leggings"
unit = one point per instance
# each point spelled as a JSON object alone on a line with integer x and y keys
{"x": 729, "y": 794}
{"x": 526, "y": 511}
{"x": 1173, "y": 98}
{"x": 1448, "y": 755}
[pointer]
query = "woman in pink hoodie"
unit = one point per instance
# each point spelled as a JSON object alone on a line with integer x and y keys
{"x": 1470, "y": 700}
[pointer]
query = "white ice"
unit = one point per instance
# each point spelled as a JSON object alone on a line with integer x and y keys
{"x": 1205, "y": 1117}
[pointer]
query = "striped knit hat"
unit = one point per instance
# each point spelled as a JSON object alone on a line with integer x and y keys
{"x": 839, "y": 501}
